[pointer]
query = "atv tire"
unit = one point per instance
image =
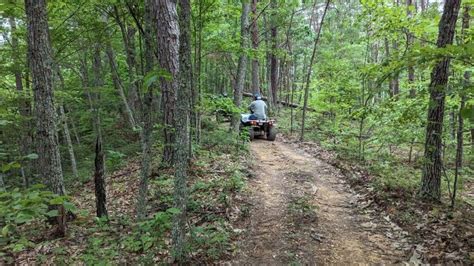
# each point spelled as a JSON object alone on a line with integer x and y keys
{"x": 251, "y": 133}
{"x": 271, "y": 134}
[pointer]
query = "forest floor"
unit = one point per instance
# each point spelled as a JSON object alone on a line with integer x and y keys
{"x": 304, "y": 212}
{"x": 296, "y": 204}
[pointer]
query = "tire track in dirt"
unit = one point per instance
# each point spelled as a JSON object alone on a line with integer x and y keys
{"x": 304, "y": 213}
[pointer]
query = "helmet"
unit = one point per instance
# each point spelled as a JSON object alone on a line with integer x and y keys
{"x": 257, "y": 96}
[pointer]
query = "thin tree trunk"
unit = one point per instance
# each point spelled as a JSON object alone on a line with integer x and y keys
{"x": 460, "y": 136}
{"x": 70, "y": 146}
{"x": 196, "y": 90}
{"x": 293, "y": 88}
{"x": 411, "y": 69}
{"x": 119, "y": 86}
{"x": 147, "y": 141}
{"x": 432, "y": 165}
{"x": 268, "y": 64}
{"x": 99, "y": 178}
{"x": 395, "y": 78}
{"x": 128, "y": 36}
{"x": 41, "y": 66}
{"x": 255, "y": 63}
{"x": 387, "y": 55}
{"x": 168, "y": 59}
{"x": 24, "y": 106}
{"x": 273, "y": 57}
{"x": 99, "y": 160}
{"x": 310, "y": 68}
{"x": 242, "y": 65}
{"x": 182, "y": 129}
{"x": 77, "y": 138}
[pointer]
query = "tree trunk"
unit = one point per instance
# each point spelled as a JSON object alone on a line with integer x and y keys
{"x": 74, "y": 131}
{"x": 387, "y": 55}
{"x": 147, "y": 119}
{"x": 242, "y": 65}
{"x": 119, "y": 86}
{"x": 182, "y": 129}
{"x": 460, "y": 136}
{"x": 99, "y": 178}
{"x": 99, "y": 160}
{"x": 395, "y": 77}
{"x": 24, "y": 106}
{"x": 293, "y": 88}
{"x": 128, "y": 36}
{"x": 196, "y": 90}
{"x": 432, "y": 165}
{"x": 411, "y": 69}
{"x": 168, "y": 59}
{"x": 310, "y": 68}
{"x": 41, "y": 66}
{"x": 70, "y": 146}
{"x": 255, "y": 63}
{"x": 273, "y": 57}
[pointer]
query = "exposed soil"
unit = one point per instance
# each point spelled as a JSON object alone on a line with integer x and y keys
{"x": 304, "y": 212}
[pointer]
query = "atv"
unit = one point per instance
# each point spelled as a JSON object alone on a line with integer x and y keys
{"x": 259, "y": 128}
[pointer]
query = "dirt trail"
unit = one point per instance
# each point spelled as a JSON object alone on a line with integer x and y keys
{"x": 305, "y": 213}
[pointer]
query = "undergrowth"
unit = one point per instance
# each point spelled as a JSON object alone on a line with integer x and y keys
{"x": 217, "y": 181}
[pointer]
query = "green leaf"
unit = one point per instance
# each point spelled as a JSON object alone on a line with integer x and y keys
{"x": 6, "y": 230}
{"x": 31, "y": 156}
{"x": 69, "y": 206}
{"x": 52, "y": 213}
{"x": 149, "y": 79}
{"x": 56, "y": 201}
{"x": 173, "y": 211}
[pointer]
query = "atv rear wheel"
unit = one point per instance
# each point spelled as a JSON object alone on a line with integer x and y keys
{"x": 251, "y": 133}
{"x": 271, "y": 134}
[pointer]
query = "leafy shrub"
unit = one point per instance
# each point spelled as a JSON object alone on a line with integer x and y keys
{"x": 150, "y": 233}
{"x": 115, "y": 159}
{"x": 213, "y": 240}
{"x": 20, "y": 207}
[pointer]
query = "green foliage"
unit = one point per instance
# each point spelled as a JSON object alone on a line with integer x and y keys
{"x": 220, "y": 104}
{"x": 100, "y": 251}
{"x": 20, "y": 208}
{"x": 115, "y": 159}
{"x": 213, "y": 240}
{"x": 150, "y": 233}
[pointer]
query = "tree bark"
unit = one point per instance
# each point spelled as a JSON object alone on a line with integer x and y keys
{"x": 182, "y": 128}
{"x": 41, "y": 66}
{"x": 168, "y": 60}
{"x": 432, "y": 165}
{"x": 242, "y": 65}
{"x": 99, "y": 178}
{"x": 255, "y": 63}
{"x": 310, "y": 68}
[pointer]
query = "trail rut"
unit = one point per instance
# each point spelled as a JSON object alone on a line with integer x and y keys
{"x": 305, "y": 213}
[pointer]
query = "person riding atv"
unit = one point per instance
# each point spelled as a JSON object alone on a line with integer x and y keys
{"x": 258, "y": 108}
{"x": 257, "y": 123}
